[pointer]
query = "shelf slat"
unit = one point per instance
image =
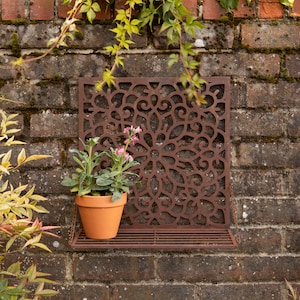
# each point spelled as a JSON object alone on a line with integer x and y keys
{"x": 175, "y": 239}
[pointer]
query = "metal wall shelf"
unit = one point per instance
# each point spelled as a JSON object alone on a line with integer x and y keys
{"x": 171, "y": 239}
{"x": 184, "y": 155}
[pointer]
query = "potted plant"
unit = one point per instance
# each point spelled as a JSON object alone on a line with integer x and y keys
{"x": 101, "y": 193}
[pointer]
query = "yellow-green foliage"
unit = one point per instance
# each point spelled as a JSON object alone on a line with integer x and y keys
{"x": 293, "y": 293}
{"x": 171, "y": 15}
{"x": 17, "y": 228}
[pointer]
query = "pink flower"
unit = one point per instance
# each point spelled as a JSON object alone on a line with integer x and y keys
{"x": 127, "y": 156}
{"x": 134, "y": 139}
{"x": 132, "y": 130}
{"x": 127, "y": 129}
{"x": 120, "y": 150}
{"x": 138, "y": 129}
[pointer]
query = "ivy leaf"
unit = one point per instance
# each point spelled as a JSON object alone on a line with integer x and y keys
{"x": 18, "y": 62}
{"x": 165, "y": 25}
{"x": 90, "y": 8}
{"x": 229, "y": 4}
{"x": 91, "y": 15}
{"x": 120, "y": 61}
{"x": 108, "y": 77}
{"x": 288, "y": 3}
{"x": 173, "y": 58}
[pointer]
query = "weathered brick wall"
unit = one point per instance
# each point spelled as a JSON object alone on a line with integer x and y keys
{"x": 260, "y": 51}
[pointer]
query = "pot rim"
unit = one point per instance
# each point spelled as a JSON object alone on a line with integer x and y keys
{"x": 99, "y": 201}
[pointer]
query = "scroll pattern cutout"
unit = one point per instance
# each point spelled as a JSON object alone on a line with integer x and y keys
{"x": 183, "y": 150}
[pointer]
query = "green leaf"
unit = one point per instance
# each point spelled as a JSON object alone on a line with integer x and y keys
{"x": 91, "y": 15}
{"x": 192, "y": 64}
{"x": 288, "y": 3}
{"x": 3, "y": 284}
{"x": 165, "y": 26}
{"x": 117, "y": 195}
{"x": 120, "y": 61}
{"x": 173, "y": 58}
{"x": 15, "y": 268}
{"x": 104, "y": 181}
{"x": 46, "y": 293}
{"x": 36, "y": 157}
{"x": 229, "y": 4}
{"x": 96, "y": 7}
{"x": 21, "y": 157}
{"x": 41, "y": 246}
{"x": 10, "y": 242}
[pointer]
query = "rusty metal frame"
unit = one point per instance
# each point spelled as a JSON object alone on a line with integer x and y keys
{"x": 184, "y": 155}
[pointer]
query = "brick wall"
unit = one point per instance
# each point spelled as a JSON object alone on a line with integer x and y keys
{"x": 259, "y": 50}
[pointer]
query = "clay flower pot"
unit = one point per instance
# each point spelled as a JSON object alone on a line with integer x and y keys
{"x": 100, "y": 216}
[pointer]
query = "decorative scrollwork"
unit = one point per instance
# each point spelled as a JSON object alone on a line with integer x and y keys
{"x": 183, "y": 150}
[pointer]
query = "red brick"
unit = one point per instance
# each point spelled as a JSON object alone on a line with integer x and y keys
{"x": 46, "y": 182}
{"x": 269, "y": 154}
{"x": 296, "y": 9}
{"x": 282, "y": 94}
{"x": 270, "y": 9}
{"x": 255, "y": 35}
{"x": 161, "y": 291}
{"x": 41, "y": 10}
{"x": 111, "y": 268}
{"x": 271, "y": 211}
{"x": 257, "y": 182}
{"x": 293, "y": 124}
{"x": 294, "y": 187}
{"x": 293, "y": 65}
{"x": 121, "y": 4}
{"x": 245, "y": 291}
{"x": 262, "y": 268}
{"x": 191, "y": 5}
{"x": 48, "y": 124}
{"x": 13, "y": 9}
{"x": 240, "y": 64}
{"x": 253, "y": 240}
{"x": 255, "y": 123}
{"x": 46, "y": 262}
{"x": 104, "y": 14}
{"x": 63, "y": 10}
{"x": 244, "y": 10}
{"x": 293, "y": 240}
{"x": 199, "y": 268}
{"x": 212, "y": 10}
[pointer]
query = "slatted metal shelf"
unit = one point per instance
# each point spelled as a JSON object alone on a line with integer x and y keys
{"x": 172, "y": 239}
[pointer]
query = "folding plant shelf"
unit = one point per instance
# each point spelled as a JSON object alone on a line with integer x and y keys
{"x": 184, "y": 198}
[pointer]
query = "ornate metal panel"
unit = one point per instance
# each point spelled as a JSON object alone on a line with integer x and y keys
{"x": 183, "y": 150}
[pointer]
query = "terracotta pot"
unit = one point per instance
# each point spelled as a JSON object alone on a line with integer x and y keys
{"x": 100, "y": 216}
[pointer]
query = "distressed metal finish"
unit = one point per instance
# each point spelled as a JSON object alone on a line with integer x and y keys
{"x": 171, "y": 239}
{"x": 183, "y": 153}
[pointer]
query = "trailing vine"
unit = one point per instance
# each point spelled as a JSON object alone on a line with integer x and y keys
{"x": 171, "y": 15}
{"x": 175, "y": 20}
